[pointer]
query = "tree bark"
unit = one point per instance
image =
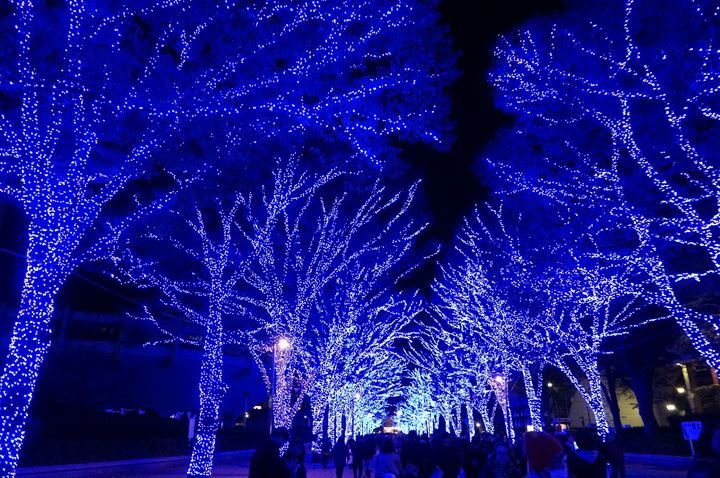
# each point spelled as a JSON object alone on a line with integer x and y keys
{"x": 31, "y": 336}
{"x": 641, "y": 384}
{"x": 612, "y": 398}
{"x": 533, "y": 382}
{"x": 211, "y": 394}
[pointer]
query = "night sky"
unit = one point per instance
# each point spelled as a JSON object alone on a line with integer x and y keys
{"x": 449, "y": 184}
{"x": 449, "y": 181}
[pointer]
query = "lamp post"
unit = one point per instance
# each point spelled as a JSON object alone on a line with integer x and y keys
{"x": 282, "y": 345}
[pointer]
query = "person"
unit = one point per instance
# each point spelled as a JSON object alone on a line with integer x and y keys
{"x": 295, "y": 459}
{"x": 410, "y": 456}
{"x": 369, "y": 450}
{"x": 340, "y": 454}
{"x": 707, "y": 462}
{"x": 586, "y": 461}
{"x": 358, "y": 452}
{"x": 266, "y": 461}
{"x": 545, "y": 456}
{"x": 613, "y": 451}
{"x": 447, "y": 456}
{"x": 501, "y": 464}
{"x": 387, "y": 463}
{"x": 474, "y": 458}
{"x": 326, "y": 445}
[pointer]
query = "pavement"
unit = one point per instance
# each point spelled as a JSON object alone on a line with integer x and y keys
{"x": 235, "y": 464}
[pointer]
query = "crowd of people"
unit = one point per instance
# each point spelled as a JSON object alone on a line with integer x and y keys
{"x": 532, "y": 455}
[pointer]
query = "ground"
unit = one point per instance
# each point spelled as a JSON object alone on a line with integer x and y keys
{"x": 236, "y": 466}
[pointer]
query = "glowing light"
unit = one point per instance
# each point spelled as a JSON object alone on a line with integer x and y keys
{"x": 94, "y": 111}
{"x": 604, "y": 74}
{"x": 283, "y": 344}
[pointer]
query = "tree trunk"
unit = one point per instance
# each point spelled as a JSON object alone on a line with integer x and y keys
{"x": 29, "y": 344}
{"x": 319, "y": 413}
{"x": 593, "y": 395}
{"x": 533, "y": 382}
{"x": 641, "y": 384}
{"x": 595, "y": 400}
{"x": 612, "y": 398}
{"x": 487, "y": 420}
{"x": 211, "y": 394}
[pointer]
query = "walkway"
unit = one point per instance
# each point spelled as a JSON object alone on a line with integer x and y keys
{"x": 235, "y": 465}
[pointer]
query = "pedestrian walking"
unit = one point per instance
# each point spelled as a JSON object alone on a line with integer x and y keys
{"x": 340, "y": 455}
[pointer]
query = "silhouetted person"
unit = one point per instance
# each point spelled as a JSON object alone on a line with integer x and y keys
{"x": 586, "y": 461}
{"x": 356, "y": 448}
{"x": 295, "y": 459}
{"x": 411, "y": 456}
{"x": 339, "y": 453}
{"x": 387, "y": 463}
{"x": 545, "y": 455}
{"x": 615, "y": 455}
{"x": 447, "y": 456}
{"x": 266, "y": 461}
{"x": 501, "y": 464}
{"x": 707, "y": 462}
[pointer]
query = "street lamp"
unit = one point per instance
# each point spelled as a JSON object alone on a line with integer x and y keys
{"x": 283, "y": 344}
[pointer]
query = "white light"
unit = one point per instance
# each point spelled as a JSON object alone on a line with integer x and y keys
{"x": 670, "y": 407}
{"x": 680, "y": 390}
{"x": 283, "y": 344}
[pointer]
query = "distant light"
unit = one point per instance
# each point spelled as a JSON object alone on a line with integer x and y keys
{"x": 680, "y": 390}
{"x": 247, "y": 414}
{"x": 477, "y": 424}
{"x": 529, "y": 428}
{"x": 257, "y": 407}
{"x": 283, "y": 344}
{"x": 549, "y": 384}
{"x": 670, "y": 407}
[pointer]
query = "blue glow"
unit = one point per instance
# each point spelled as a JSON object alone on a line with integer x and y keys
{"x": 101, "y": 92}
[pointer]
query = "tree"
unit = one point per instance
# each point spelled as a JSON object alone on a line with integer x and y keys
{"x": 103, "y": 100}
{"x": 484, "y": 292}
{"x": 360, "y": 319}
{"x": 299, "y": 256}
{"x": 196, "y": 259}
{"x": 639, "y": 78}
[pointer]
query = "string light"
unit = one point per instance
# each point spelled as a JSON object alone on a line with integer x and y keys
{"x": 102, "y": 97}
{"x": 609, "y": 76}
{"x": 326, "y": 244}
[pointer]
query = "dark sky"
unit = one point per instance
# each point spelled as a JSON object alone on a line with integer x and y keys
{"x": 450, "y": 186}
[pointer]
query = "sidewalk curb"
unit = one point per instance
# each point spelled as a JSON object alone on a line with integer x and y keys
{"x": 29, "y": 471}
{"x": 665, "y": 460}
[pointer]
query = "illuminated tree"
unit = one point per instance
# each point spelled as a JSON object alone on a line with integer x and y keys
{"x": 483, "y": 293}
{"x": 461, "y": 368}
{"x": 360, "y": 319}
{"x": 195, "y": 260}
{"x": 308, "y": 249}
{"x": 529, "y": 296}
{"x": 639, "y": 79}
{"x": 103, "y": 100}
